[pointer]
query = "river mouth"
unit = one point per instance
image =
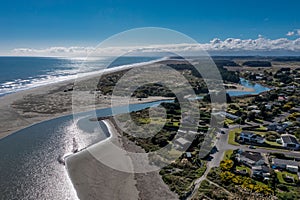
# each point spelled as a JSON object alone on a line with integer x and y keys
{"x": 29, "y": 166}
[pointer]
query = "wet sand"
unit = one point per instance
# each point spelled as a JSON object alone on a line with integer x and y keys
{"x": 94, "y": 180}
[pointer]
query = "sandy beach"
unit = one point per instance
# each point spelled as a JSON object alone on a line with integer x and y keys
{"x": 94, "y": 180}
{"x": 28, "y": 107}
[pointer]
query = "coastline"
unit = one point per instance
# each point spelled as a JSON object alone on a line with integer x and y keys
{"x": 84, "y": 168}
{"x": 103, "y": 181}
{"x": 14, "y": 119}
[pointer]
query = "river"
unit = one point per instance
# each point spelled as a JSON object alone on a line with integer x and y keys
{"x": 29, "y": 166}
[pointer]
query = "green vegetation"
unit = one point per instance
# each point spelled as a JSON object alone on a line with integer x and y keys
{"x": 207, "y": 190}
{"x": 228, "y": 154}
{"x": 226, "y": 75}
{"x": 179, "y": 176}
{"x": 234, "y": 183}
{"x": 282, "y": 177}
{"x": 226, "y": 165}
{"x": 257, "y": 64}
{"x": 270, "y": 106}
{"x": 233, "y": 135}
{"x": 242, "y": 167}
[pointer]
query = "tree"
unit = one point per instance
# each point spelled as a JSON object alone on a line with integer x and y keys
{"x": 226, "y": 165}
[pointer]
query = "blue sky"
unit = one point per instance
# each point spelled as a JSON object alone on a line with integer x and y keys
{"x": 42, "y": 24}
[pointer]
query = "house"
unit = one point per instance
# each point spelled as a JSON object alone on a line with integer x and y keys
{"x": 251, "y": 137}
{"x": 249, "y": 158}
{"x": 280, "y": 128}
{"x": 252, "y": 107}
{"x": 289, "y": 179}
{"x": 281, "y": 98}
{"x": 290, "y": 165}
{"x": 181, "y": 143}
{"x": 268, "y": 106}
{"x": 227, "y": 115}
{"x": 188, "y": 154}
{"x": 295, "y": 109}
{"x": 256, "y": 112}
{"x": 273, "y": 126}
{"x": 292, "y": 168}
{"x": 261, "y": 171}
{"x": 289, "y": 141}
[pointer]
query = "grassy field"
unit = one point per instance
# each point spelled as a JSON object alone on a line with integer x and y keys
{"x": 227, "y": 154}
{"x": 275, "y": 144}
{"x": 232, "y": 136}
{"x": 280, "y": 176}
{"x": 244, "y": 168}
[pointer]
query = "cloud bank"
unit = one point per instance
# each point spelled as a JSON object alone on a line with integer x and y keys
{"x": 294, "y": 32}
{"x": 230, "y": 46}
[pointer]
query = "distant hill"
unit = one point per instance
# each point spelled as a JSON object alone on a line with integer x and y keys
{"x": 257, "y": 63}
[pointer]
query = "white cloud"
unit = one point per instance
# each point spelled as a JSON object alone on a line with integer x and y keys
{"x": 294, "y": 32}
{"x": 290, "y": 33}
{"x": 234, "y": 45}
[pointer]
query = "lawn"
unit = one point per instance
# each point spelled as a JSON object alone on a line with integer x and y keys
{"x": 232, "y": 136}
{"x": 244, "y": 168}
{"x": 261, "y": 133}
{"x": 228, "y": 121}
{"x": 280, "y": 176}
{"x": 227, "y": 154}
{"x": 273, "y": 143}
{"x": 262, "y": 128}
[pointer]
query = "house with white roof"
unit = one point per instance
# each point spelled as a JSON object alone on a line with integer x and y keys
{"x": 290, "y": 165}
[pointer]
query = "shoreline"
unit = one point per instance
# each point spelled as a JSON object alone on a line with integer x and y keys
{"x": 44, "y": 119}
{"x": 13, "y": 119}
{"x": 104, "y": 182}
{"x": 83, "y": 167}
{"x": 77, "y": 153}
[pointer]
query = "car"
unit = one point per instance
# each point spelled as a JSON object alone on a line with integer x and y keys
{"x": 251, "y": 147}
{"x": 222, "y": 132}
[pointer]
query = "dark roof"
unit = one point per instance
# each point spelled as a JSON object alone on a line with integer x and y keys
{"x": 257, "y": 136}
{"x": 247, "y": 133}
{"x": 277, "y": 161}
{"x": 255, "y": 156}
{"x": 289, "y": 139}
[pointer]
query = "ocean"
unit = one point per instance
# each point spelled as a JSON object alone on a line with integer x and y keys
{"x": 20, "y": 73}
